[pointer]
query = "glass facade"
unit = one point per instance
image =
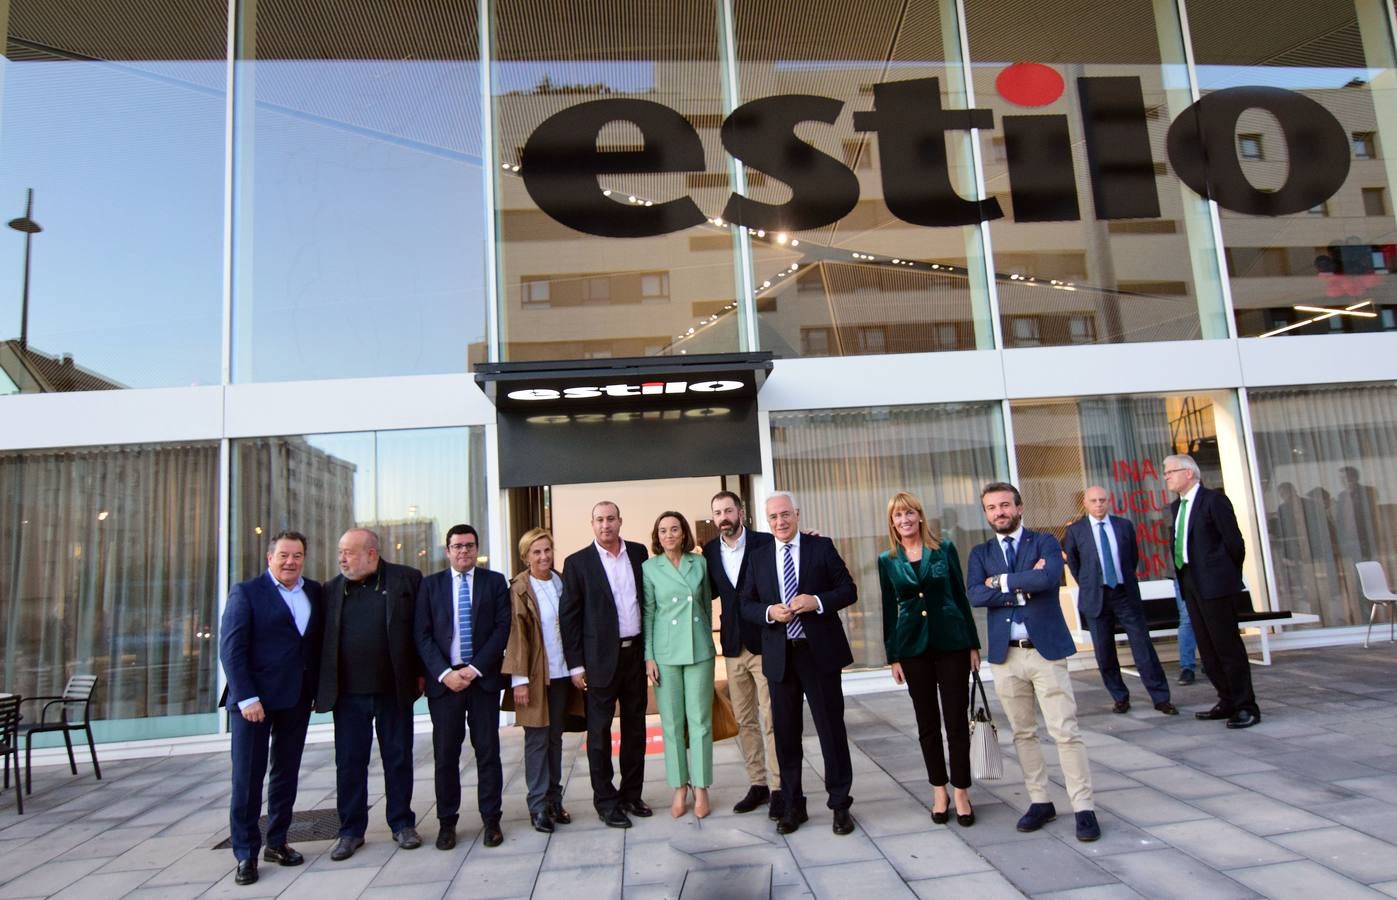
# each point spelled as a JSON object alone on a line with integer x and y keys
{"x": 844, "y": 464}
{"x": 1327, "y": 455}
{"x": 256, "y": 203}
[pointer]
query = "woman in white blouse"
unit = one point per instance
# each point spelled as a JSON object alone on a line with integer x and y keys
{"x": 542, "y": 683}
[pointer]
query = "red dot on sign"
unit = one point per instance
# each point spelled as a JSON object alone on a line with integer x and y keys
{"x": 1029, "y": 84}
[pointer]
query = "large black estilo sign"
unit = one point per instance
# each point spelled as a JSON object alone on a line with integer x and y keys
{"x": 560, "y": 161}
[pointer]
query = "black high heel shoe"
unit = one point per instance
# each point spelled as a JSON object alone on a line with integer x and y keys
{"x": 944, "y": 816}
{"x": 964, "y": 821}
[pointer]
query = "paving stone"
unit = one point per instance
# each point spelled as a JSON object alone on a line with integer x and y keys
{"x": 48, "y": 879}
{"x": 1146, "y": 807}
{"x": 592, "y": 881}
{"x": 1221, "y": 844}
{"x": 1303, "y": 880}
{"x": 728, "y": 882}
{"x": 1168, "y": 874}
{"x": 1043, "y": 864}
{"x": 930, "y": 855}
{"x": 429, "y": 891}
{"x": 111, "y": 884}
{"x": 1260, "y": 814}
{"x": 873, "y": 878}
{"x": 487, "y": 878}
{"x": 1099, "y": 892}
{"x": 981, "y": 885}
{"x": 1346, "y": 851}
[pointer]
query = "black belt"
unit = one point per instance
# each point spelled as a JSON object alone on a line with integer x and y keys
{"x": 1026, "y": 645}
{"x": 626, "y": 642}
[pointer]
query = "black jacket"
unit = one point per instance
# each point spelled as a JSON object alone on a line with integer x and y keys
{"x": 399, "y": 586}
{"x": 587, "y": 618}
{"x": 823, "y": 574}
{"x": 736, "y": 632}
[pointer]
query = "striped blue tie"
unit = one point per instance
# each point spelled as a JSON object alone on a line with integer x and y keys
{"x": 794, "y": 630}
{"x": 463, "y": 617}
{"x": 1108, "y": 562}
{"x": 1011, "y": 559}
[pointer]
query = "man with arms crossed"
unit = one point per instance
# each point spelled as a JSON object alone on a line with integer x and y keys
{"x": 270, "y": 647}
{"x": 796, "y": 586}
{"x": 1015, "y": 575}
{"x": 741, "y": 641}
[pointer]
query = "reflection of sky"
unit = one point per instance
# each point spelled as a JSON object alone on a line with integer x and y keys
{"x": 1294, "y": 78}
{"x": 126, "y": 165}
{"x": 630, "y": 76}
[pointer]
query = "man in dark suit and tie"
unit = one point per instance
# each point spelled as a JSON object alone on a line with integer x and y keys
{"x": 370, "y": 675}
{"x": 601, "y": 627}
{"x": 1102, "y": 555}
{"x": 270, "y": 648}
{"x": 463, "y": 616}
{"x": 741, "y": 640}
{"x": 796, "y": 585}
{"x": 1015, "y": 576}
{"x": 1208, "y": 555}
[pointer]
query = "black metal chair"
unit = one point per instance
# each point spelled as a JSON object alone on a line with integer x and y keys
{"x": 78, "y": 692}
{"x": 9, "y": 744}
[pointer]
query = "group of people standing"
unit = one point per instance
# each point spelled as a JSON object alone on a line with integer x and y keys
{"x": 574, "y": 650}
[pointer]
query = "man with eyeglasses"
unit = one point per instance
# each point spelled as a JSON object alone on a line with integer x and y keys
{"x": 1208, "y": 554}
{"x": 463, "y": 616}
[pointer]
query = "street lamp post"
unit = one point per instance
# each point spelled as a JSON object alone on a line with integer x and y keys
{"x": 26, "y": 224}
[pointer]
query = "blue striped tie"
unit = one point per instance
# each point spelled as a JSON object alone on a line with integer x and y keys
{"x": 794, "y": 630}
{"x": 463, "y": 617}
{"x": 1011, "y": 559}
{"x": 1108, "y": 562}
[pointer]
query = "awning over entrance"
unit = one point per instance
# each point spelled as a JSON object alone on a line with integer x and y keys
{"x": 576, "y": 421}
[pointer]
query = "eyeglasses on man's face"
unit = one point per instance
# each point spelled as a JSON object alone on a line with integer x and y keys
{"x": 461, "y": 548}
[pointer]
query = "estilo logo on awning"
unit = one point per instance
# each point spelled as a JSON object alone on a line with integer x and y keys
{"x": 560, "y": 162}
{"x": 645, "y": 389}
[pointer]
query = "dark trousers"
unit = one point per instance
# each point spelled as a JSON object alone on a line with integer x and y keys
{"x": 628, "y": 688}
{"x": 1118, "y": 608}
{"x": 452, "y": 713}
{"x": 543, "y": 751}
{"x": 1220, "y": 644}
{"x": 948, "y": 674}
{"x": 825, "y": 692}
{"x": 357, "y": 718}
{"x": 279, "y": 738}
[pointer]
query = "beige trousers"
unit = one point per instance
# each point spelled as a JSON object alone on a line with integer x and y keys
{"x": 1023, "y": 678}
{"x": 749, "y": 693}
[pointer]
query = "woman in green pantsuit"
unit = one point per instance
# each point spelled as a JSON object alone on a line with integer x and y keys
{"x": 679, "y": 656}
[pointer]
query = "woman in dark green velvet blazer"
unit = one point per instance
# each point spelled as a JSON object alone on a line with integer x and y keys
{"x": 932, "y": 646}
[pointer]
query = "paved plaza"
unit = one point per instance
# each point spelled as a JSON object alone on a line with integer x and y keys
{"x": 1300, "y": 806}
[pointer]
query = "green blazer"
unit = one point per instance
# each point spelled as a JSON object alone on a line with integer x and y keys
{"x": 924, "y": 603}
{"x": 678, "y": 610}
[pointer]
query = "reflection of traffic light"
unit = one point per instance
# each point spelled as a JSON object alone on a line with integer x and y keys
{"x": 1349, "y": 259}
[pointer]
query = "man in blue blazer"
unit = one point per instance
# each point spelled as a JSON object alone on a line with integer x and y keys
{"x": 741, "y": 644}
{"x": 1208, "y": 554}
{"x": 1015, "y": 576}
{"x": 1102, "y": 555}
{"x": 795, "y": 588}
{"x": 462, "y": 626}
{"x": 269, "y": 645}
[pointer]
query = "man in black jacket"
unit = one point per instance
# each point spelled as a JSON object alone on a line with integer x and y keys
{"x": 727, "y": 557}
{"x": 370, "y": 675}
{"x": 602, "y": 631}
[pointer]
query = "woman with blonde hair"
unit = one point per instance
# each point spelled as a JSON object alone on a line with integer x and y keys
{"x": 932, "y": 646}
{"x": 542, "y": 683}
{"x": 679, "y": 657}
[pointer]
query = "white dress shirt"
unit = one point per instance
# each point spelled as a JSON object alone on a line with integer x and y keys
{"x": 299, "y": 605}
{"x": 1018, "y": 631}
{"x": 456, "y": 620}
{"x": 732, "y": 556}
{"x": 781, "y": 546}
{"x": 1181, "y": 523}
{"x": 548, "y": 593}
{"x": 621, "y": 576}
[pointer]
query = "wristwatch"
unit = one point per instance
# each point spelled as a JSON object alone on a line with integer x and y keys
{"x": 998, "y": 582}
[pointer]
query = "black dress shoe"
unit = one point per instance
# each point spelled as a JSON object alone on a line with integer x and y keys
{"x": 1217, "y": 712}
{"x": 1186, "y": 676}
{"x": 792, "y": 820}
{"x": 614, "y": 818}
{"x": 777, "y": 810}
{"x": 1244, "y": 718}
{"x": 344, "y": 848}
{"x": 247, "y": 871}
{"x": 843, "y": 822}
{"x": 636, "y": 807}
{"x": 446, "y": 837}
{"x": 492, "y": 836}
{"x": 1121, "y": 706}
{"x": 757, "y": 794}
{"x": 542, "y": 823}
{"x": 282, "y": 856}
{"x": 408, "y": 838}
{"x": 559, "y": 815}
{"x": 1167, "y": 708}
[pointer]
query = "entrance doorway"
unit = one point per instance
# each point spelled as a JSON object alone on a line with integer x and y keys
{"x": 566, "y": 509}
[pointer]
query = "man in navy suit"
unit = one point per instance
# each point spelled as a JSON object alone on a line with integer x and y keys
{"x": 1015, "y": 576}
{"x": 741, "y": 640}
{"x": 462, "y": 627}
{"x": 1102, "y": 555}
{"x": 1208, "y": 555}
{"x": 795, "y": 588}
{"x": 269, "y": 644}
{"x": 602, "y": 631}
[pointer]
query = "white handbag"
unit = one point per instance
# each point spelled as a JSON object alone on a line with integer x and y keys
{"x": 986, "y": 760}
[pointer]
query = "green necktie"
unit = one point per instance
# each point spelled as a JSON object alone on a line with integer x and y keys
{"x": 1179, "y": 535}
